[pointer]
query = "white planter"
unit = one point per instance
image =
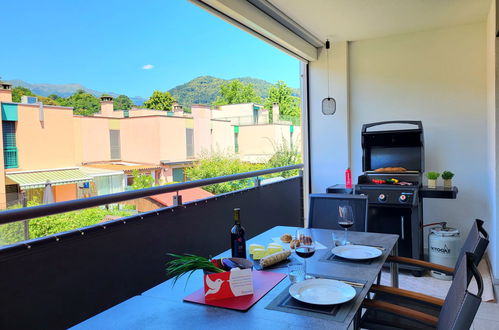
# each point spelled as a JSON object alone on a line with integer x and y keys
{"x": 448, "y": 183}
{"x": 432, "y": 184}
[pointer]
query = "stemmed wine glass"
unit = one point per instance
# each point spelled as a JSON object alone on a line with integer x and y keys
{"x": 306, "y": 249}
{"x": 345, "y": 219}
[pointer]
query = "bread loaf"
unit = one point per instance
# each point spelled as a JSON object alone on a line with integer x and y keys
{"x": 390, "y": 169}
{"x": 274, "y": 258}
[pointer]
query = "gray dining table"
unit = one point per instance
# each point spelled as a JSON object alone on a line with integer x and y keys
{"x": 162, "y": 307}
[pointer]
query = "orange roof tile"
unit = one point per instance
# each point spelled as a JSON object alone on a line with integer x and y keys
{"x": 188, "y": 195}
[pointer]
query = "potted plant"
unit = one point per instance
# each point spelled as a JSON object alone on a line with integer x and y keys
{"x": 447, "y": 176}
{"x": 432, "y": 179}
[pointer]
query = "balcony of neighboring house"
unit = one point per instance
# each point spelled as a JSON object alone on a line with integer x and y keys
{"x": 128, "y": 169}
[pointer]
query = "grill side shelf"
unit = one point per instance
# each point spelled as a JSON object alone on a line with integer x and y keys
{"x": 439, "y": 192}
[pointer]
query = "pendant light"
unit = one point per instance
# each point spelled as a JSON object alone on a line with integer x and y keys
{"x": 329, "y": 103}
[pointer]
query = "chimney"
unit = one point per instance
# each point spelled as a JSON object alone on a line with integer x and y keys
{"x": 275, "y": 112}
{"x": 106, "y": 106}
{"x": 177, "y": 109}
{"x": 5, "y": 92}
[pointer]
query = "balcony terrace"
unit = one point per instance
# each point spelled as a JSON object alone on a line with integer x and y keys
{"x": 63, "y": 279}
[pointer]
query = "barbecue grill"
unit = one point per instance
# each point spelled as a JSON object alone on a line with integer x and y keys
{"x": 395, "y": 199}
{"x": 395, "y": 206}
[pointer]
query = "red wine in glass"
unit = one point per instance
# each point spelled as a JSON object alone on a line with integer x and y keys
{"x": 305, "y": 252}
{"x": 306, "y": 249}
{"x": 345, "y": 224}
{"x": 345, "y": 219}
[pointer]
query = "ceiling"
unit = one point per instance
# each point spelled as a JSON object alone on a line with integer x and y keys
{"x": 340, "y": 20}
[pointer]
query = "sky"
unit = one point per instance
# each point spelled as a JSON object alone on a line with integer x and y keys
{"x": 131, "y": 47}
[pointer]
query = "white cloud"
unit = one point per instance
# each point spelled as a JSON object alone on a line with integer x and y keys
{"x": 148, "y": 67}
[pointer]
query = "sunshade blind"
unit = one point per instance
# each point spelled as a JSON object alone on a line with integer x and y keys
{"x": 189, "y": 139}
{"x": 114, "y": 136}
{"x": 9, "y": 144}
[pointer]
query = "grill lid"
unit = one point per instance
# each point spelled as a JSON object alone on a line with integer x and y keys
{"x": 393, "y": 147}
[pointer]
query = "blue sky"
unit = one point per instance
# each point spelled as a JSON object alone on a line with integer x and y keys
{"x": 131, "y": 47}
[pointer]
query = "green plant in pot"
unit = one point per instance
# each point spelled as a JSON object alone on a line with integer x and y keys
{"x": 432, "y": 179}
{"x": 447, "y": 176}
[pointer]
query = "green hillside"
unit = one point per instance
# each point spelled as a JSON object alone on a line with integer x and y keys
{"x": 204, "y": 89}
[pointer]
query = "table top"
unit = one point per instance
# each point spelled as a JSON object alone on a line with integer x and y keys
{"x": 162, "y": 305}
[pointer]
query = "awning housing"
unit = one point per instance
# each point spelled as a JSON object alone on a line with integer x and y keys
{"x": 266, "y": 22}
{"x": 38, "y": 179}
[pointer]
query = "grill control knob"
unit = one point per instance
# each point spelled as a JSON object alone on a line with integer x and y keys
{"x": 403, "y": 198}
{"x": 382, "y": 197}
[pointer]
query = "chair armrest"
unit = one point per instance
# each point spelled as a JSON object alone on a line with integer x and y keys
{"x": 407, "y": 294}
{"x": 421, "y": 263}
{"x": 400, "y": 311}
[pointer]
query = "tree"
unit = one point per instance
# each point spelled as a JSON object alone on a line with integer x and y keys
{"x": 83, "y": 103}
{"x": 141, "y": 181}
{"x": 18, "y": 91}
{"x": 280, "y": 93}
{"x": 123, "y": 102}
{"x": 284, "y": 154}
{"x": 236, "y": 92}
{"x": 47, "y": 100}
{"x": 219, "y": 164}
{"x": 54, "y": 97}
{"x": 160, "y": 101}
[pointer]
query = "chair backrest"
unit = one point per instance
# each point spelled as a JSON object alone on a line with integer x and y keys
{"x": 460, "y": 306}
{"x": 476, "y": 243}
{"x": 323, "y": 210}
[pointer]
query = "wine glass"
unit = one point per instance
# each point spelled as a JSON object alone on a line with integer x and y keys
{"x": 345, "y": 219}
{"x": 306, "y": 249}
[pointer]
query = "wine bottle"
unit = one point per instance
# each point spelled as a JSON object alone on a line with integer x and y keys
{"x": 238, "y": 242}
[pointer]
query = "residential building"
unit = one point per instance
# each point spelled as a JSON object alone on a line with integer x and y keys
{"x": 84, "y": 156}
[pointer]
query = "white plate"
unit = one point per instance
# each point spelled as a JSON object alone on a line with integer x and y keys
{"x": 356, "y": 252}
{"x": 321, "y": 291}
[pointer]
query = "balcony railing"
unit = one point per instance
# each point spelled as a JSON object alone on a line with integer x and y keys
{"x": 63, "y": 279}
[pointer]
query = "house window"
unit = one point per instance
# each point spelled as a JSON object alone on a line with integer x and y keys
{"x": 189, "y": 140}
{"x": 114, "y": 136}
{"x": 9, "y": 144}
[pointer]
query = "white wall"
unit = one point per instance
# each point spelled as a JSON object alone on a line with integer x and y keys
{"x": 329, "y": 135}
{"x": 438, "y": 77}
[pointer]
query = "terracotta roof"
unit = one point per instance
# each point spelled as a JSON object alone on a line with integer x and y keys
{"x": 188, "y": 195}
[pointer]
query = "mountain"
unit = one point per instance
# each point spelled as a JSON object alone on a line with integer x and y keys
{"x": 65, "y": 90}
{"x": 200, "y": 90}
{"x": 204, "y": 89}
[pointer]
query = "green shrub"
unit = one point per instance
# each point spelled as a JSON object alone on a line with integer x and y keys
{"x": 57, "y": 223}
{"x": 220, "y": 164}
{"x": 53, "y": 224}
{"x": 432, "y": 175}
{"x": 284, "y": 155}
{"x": 447, "y": 175}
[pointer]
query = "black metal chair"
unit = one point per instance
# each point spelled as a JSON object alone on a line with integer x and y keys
{"x": 457, "y": 312}
{"x": 323, "y": 210}
{"x": 475, "y": 243}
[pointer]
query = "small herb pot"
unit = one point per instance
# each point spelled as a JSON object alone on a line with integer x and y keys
{"x": 432, "y": 184}
{"x": 448, "y": 183}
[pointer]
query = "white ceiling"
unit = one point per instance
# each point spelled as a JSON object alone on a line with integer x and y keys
{"x": 351, "y": 20}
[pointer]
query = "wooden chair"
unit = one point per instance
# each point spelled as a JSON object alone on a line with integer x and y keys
{"x": 457, "y": 310}
{"x": 323, "y": 211}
